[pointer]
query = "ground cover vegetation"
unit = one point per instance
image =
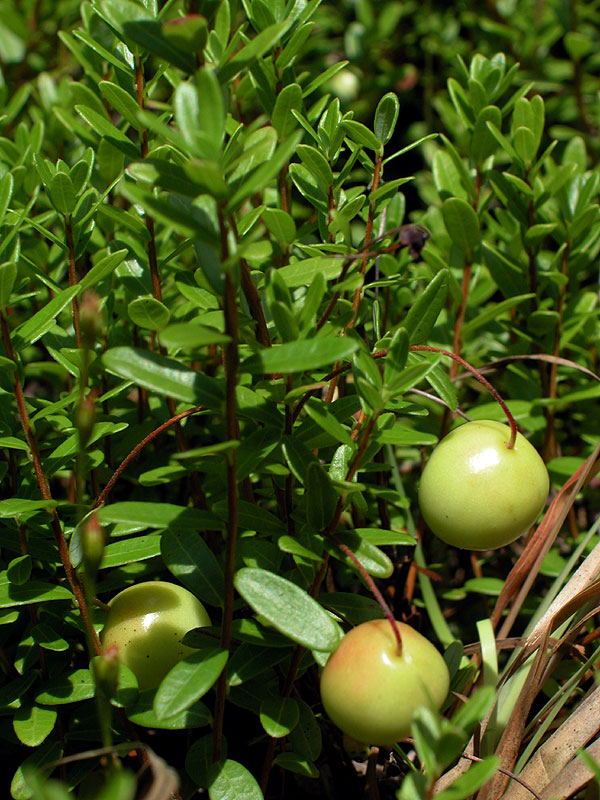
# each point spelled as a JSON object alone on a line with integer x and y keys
{"x": 257, "y": 258}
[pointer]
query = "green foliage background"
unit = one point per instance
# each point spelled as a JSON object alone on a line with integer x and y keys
{"x": 212, "y": 285}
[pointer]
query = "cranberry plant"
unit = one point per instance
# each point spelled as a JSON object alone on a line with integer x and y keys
{"x": 237, "y": 311}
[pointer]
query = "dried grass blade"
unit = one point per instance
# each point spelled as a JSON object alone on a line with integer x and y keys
{"x": 557, "y": 751}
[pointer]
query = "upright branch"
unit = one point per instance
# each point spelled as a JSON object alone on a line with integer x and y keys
{"x": 199, "y": 498}
{"x": 73, "y": 279}
{"x": 460, "y": 317}
{"x": 230, "y": 360}
{"x": 329, "y": 533}
{"x": 44, "y": 488}
{"x": 152, "y": 259}
{"x": 363, "y": 266}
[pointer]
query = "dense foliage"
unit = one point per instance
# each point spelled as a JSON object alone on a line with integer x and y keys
{"x": 249, "y": 250}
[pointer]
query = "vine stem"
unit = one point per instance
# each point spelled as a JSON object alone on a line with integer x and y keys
{"x": 44, "y": 488}
{"x": 101, "y": 499}
{"x": 476, "y": 374}
{"x": 231, "y": 361}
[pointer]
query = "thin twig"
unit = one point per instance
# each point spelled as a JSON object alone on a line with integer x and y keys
{"x": 101, "y": 499}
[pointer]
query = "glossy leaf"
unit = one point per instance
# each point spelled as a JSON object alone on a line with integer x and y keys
{"x": 33, "y": 724}
{"x": 230, "y": 780}
{"x": 321, "y": 497}
{"x": 41, "y": 322}
{"x": 300, "y": 356}
{"x": 386, "y": 116}
{"x": 149, "y": 313}
{"x": 192, "y": 562}
{"x": 424, "y": 312}
{"x": 162, "y": 375}
{"x": 279, "y": 716}
{"x": 188, "y": 681}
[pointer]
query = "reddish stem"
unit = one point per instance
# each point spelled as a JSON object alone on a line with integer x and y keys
{"x": 101, "y": 499}
{"x": 372, "y": 587}
{"x": 73, "y": 280}
{"x": 44, "y": 488}
{"x": 511, "y": 420}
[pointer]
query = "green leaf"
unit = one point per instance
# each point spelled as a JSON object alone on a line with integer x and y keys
{"x": 262, "y": 176}
{"x": 196, "y": 716}
{"x": 15, "y": 689}
{"x": 12, "y": 594}
{"x": 16, "y": 506}
{"x": 6, "y": 190}
{"x": 303, "y": 272}
{"x": 494, "y": 312}
{"x": 19, "y": 570}
{"x": 163, "y": 375}
{"x": 62, "y": 193}
{"x": 175, "y": 211}
{"x": 318, "y": 165}
{"x": 102, "y": 269}
{"x": 190, "y": 336}
{"x": 360, "y": 134}
{"x": 296, "y": 763}
{"x": 305, "y": 738}
{"x": 300, "y": 356}
{"x": 280, "y": 224}
{"x": 483, "y": 143}
{"x": 253, "y": 50}
{"x": 149, "y": 313}
{"x": 377, "y": 536}
{"x": 44, "y": 635}
{"x": 282, "y": 119}
{"x": 298, "y": 457}
{"x": 386, "y": 116}
{"x": 230, "y": 780}
{"x": 67, "y": 688}
{"x": 319, "y": 412}
{"x": 122, "y": 102}
{"x": 8, "y": 275}
{"x": 249, "y": 661}
{"x": 395, "y": 360}
{"x": 157, "y": 515}
{"x": 192, "y": 562}
{"x": 33, "y": 724}
{"x": 288, "y": 608}
{"x": 148, "y": 34}
{"x": 48, "y": 752}
{"x": 403, "y": 436}
{"x": 285, "y": 321}
{"x": 279, "y": 716}
{"x": 128, "y": 551}
{"x": 188, "y": 681}
{"x": 374, "y": 560}
{"x": 41, "y": 322}
{"x": 462, "y": 224}
{"x": 424, "y": 312}
{"x": 487, "y": 586}
{"x": 321, "y": 497}
{"x": 108, "y": 131}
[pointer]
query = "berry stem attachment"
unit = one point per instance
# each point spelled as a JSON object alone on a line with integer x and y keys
{"x": 372, "y": 588}
{"x": 511, "y": 420}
